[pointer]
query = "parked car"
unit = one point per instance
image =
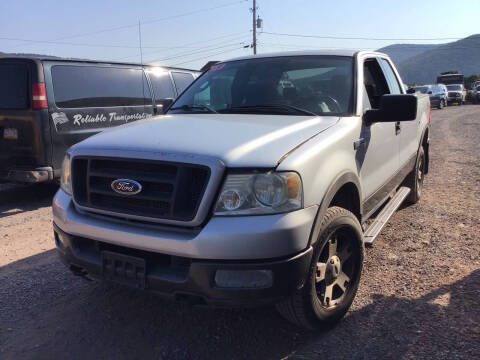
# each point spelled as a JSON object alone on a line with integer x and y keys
{"x": 48, "y": 105}
{"x": 249, "y": 192}
{"x": 476, "y": 94}
{"x": 437, "y": 93}
{"x": 456, "y": 94}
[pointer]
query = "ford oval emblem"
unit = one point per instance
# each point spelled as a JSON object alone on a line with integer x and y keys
{"x": 126, "y": 186}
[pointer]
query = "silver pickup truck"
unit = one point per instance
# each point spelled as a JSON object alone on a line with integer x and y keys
{"x": 255, "y": 188}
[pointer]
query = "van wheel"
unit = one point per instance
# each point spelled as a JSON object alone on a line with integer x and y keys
{"x": 415, "y": 179}
{"x": 334, "y": 273}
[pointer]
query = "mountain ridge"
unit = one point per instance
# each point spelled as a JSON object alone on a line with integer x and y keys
{"x": 423, "y": 67}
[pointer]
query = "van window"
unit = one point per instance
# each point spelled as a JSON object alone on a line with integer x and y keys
{"x": 95, "y": 86}
{"x": 182, "y": 80}
{"x": 161, "y": 84}
{"x": 390, "y": 76}
{"x": 13, "y": 86}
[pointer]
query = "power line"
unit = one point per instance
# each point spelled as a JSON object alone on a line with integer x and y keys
{"x": 79, "y": 44}
{"x": 190, "y": 45}
{"x": 92, "y": 45}
{"x": 354, "y": 38}
{"x": 147, "y": 22}
{"x": 195, "y": 52}
{"x": 206, "y": 57}
{"x": 440, "y": 48}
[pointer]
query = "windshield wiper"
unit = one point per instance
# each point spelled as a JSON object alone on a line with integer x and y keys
{"x": 193, "y": 107}
{"x": 281, "y": 107}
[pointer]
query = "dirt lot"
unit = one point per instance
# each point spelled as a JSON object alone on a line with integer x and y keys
{"x": 419, "y": 296}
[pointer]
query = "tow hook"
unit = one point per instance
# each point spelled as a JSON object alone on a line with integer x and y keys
{"x": 78, "y": 271}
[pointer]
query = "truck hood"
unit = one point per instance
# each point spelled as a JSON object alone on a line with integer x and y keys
{"x": 237, "y": 140}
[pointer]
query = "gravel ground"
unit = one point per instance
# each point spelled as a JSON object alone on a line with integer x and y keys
{"x": 419, "y": 296}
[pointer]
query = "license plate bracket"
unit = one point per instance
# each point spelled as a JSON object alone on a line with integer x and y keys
{"x": 124, "y": 269}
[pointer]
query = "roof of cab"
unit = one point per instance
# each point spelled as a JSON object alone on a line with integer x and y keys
{"x": 339, "y": 52}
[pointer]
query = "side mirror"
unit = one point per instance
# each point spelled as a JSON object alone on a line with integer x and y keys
{"x": 394, "y": 108}
{"x": 411, "y": 91}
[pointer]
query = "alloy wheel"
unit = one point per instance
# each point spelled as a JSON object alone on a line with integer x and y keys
{"x": 336, "y": 269}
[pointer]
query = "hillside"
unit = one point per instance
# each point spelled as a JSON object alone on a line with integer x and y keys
{"x": 401, "y": 52}
{"x": 462, "y": 55}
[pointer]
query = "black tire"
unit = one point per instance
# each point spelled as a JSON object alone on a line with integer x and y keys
{"x": 415, "y": 179}
{"x": 323, "y": 301}
{"x": 440, "y": 105}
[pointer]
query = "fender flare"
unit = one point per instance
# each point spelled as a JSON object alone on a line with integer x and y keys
{"x": 427, "y": 152}
{"x": 340, "y": 180}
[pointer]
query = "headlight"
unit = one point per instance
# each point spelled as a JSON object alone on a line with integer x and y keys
{"x": 66, "y": 179}
{"x": 264, "y": 193}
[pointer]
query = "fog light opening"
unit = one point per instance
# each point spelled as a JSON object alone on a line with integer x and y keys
{"x": 244, "y": 279}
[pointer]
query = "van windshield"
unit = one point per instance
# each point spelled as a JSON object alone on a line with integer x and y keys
{"x": 13, "y": 86}
{"x": 290, "y": 85}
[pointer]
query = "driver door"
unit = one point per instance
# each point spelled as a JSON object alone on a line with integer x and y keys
{"x": 378, "y": 158}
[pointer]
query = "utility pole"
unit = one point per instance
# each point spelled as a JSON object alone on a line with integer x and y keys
{"x": 254, "y": 24}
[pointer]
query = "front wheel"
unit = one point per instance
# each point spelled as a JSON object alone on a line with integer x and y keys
{"x": 334, "y": 273}
{"x": 441, "y": 104}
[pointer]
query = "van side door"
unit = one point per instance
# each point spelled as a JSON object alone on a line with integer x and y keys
{"x": 86, "y": 98}
{"x": 377, "y": 158}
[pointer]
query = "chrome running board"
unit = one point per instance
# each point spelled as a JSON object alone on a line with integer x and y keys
{"x": 382, "y": 218}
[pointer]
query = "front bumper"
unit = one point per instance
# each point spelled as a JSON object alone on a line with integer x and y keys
{"x": 191, "y": 280}
{"x": 227, "y": 238}
{"x": 20, "y": 175}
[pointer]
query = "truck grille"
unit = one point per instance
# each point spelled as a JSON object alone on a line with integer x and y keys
{"x": 170, "y": 190}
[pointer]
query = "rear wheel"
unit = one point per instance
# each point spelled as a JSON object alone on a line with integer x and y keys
{"x": 415, "y": 178}
{"x": 334, "y": 273}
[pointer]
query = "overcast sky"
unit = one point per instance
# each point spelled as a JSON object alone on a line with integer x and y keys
{"x": 188, "y": 33}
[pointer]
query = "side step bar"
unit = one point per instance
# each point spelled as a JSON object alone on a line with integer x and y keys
{"x": 381, "y": 220}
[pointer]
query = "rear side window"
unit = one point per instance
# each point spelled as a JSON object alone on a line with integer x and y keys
{"x": 14, "y": 86}
{"x": 390, "y": 76}
{"x": 94, "y": 86}
{"x": 161, "y": 84}
{"x": 182, "y": 80}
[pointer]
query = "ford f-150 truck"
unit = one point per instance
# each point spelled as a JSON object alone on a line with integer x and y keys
{"x": 255, "y": 187}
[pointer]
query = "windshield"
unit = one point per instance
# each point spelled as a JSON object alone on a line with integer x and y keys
{"x": 293, "y": 85}
{"x": 422, "y": 89}
{"x": 454, "y": 87}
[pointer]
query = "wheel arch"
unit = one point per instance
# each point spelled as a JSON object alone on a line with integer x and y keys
{"x": 345, "y": 192}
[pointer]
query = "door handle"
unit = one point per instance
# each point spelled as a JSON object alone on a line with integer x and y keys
{"x": 398, "y": 128}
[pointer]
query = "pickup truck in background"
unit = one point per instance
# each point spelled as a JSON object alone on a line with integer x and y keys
{"x": 47, "y": 105}
{"x": 255, "y": 187}
{"x": 456, "y": 94}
